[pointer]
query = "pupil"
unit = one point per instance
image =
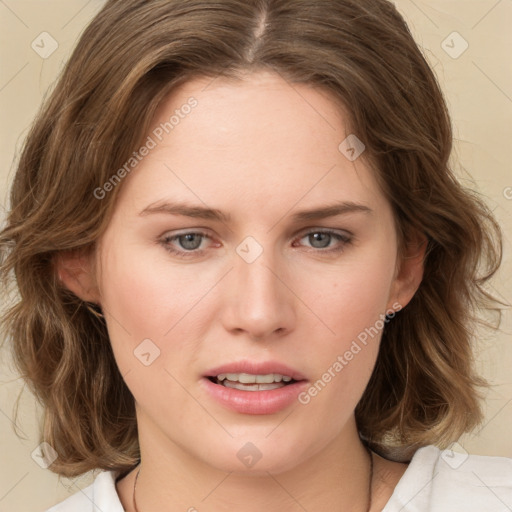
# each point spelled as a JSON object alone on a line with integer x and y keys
{"x": 315, "y": 237}
{"x": 187, "y": 241}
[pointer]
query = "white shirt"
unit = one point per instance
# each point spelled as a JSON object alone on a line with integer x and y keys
{"x": 435, "y": 481}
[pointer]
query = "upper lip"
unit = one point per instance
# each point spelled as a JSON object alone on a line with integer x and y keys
{"x": 256, "y": 368}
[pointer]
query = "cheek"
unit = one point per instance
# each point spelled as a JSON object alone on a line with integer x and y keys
{"x": 351, "y": 310}
{"x": 145, "y": 292}
{"x": 352, "y": 298}
{"x": 146, "y": 298}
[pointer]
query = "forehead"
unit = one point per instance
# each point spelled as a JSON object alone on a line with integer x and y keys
{"x": 251, "y": 139}
{"x": 253, "y": 110}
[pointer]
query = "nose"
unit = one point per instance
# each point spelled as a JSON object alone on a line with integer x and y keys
{"x": 259, "y": 301}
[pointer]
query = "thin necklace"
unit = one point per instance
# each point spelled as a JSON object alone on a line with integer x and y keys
{"x": 370, "y": 453}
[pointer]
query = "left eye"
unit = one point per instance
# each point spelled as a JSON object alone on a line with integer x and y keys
{"x": 322, "y": 239}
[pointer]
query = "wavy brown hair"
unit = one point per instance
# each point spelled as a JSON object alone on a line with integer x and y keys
{"x": 133, "y": 53}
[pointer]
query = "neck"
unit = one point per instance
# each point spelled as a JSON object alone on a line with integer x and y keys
{"x": 336, "y": 477}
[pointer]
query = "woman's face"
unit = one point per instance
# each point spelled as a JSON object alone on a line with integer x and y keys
{"x": 245, "y": 275}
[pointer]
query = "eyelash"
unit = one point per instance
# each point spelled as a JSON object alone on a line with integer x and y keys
{"x": 166, "y": 240}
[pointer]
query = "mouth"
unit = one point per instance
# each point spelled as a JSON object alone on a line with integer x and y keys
{"x": 253, "y": 397}
{"x": 248, "y": 382}
{"x": 250, "y": 387}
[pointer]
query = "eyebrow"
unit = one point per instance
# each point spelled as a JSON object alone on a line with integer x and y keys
{"x": 200, "y": 212}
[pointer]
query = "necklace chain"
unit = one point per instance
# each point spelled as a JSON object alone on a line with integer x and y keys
{"x": 370, "y": 453}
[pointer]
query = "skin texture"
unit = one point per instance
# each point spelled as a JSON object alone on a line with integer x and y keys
{"x": 259, "y": 150}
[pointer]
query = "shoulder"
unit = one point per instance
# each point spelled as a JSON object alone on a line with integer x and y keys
{"x": 100, "y": 496}
{"x": 446, "y": 481}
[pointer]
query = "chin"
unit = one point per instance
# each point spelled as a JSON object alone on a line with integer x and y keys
{"x": 257, "y": 456}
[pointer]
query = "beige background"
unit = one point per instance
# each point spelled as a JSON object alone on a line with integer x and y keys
{"x": 478, "y": 86}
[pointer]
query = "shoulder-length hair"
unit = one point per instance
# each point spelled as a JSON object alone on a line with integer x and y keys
{"x": 133, "y": 53}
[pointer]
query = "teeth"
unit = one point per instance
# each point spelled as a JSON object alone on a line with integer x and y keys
{"x": 246, "y": 378}
{"x": 253, "y": 387}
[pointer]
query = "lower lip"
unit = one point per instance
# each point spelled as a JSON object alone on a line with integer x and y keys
{"x": 255, "y": 402}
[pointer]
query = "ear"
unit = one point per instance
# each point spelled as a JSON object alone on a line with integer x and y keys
{"x": 76, "y": 271}
{"x": 409, "y": 272}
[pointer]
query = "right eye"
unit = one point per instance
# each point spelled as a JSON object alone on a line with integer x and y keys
{"x": 184, "y": 244}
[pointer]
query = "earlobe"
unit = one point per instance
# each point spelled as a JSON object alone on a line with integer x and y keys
{"x": 410, "y": 272}
{"x": 75, "y": 271}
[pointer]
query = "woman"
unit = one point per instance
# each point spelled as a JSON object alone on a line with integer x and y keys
{"x": 248, "y": 278}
